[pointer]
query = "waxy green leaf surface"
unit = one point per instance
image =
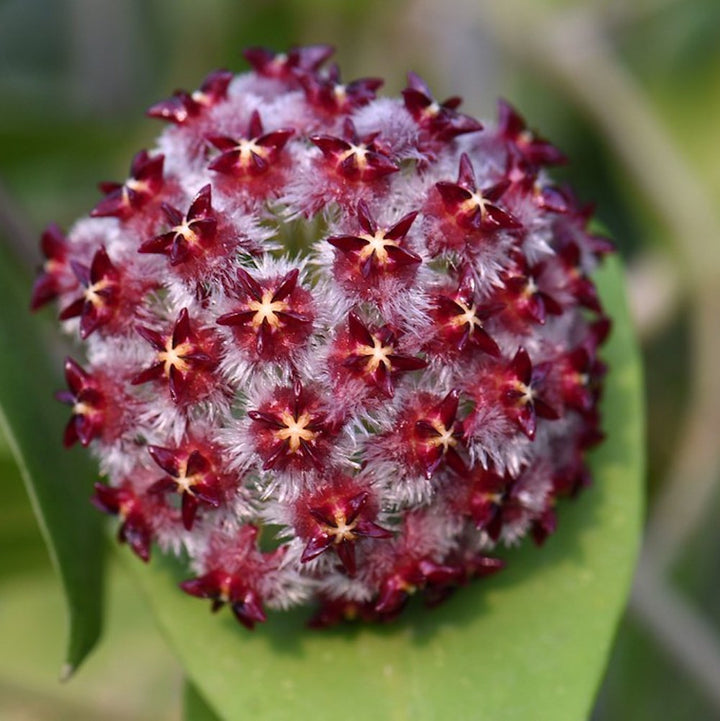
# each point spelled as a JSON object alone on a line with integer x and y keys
{"x": 195, "y": 707}
{"x": 59, "y": 482}
{"x": 529, "y": 643}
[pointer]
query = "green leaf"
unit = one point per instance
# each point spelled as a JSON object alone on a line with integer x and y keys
{"x": 132, "y": 675}
{"x": 57, "y": 481}
{"x": 194, "y": 706}
{"x": 530, "y": 643}
{"x": 23, "y": 550}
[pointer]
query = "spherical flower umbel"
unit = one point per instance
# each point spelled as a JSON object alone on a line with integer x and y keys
{"x": 336, "y": 347}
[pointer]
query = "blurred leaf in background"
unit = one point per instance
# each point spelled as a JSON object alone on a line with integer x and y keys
{"x": 56, "y": 481}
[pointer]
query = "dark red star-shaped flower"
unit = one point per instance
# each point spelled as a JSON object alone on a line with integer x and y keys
{"x": 223, "y": 587}
{"x": 439, "y": 121}
{"x": 354, "y": 158}
{"x": 292, "y": 430}
{"x": 275, "y": 315}
{"x": 288, "y": 66}
{"x": 468, "y": 565}
{"x": 521, "y": 396}
{"x": 190, "y": 235}
{"x": 577, "y": 282}
{"x": 487, "y": 491}
{"x": 56, "y": 276}
{"x": 435, "y": 436}
{"x": 513, "y": 129}
{"x": 101, "y": 297}
{"x": 334, "y": 517}
{"x": 525, "y": 182}
{"x": 184, "y": 359}
{"x": 184, "y": 106}
{"x": 88, "y": 405}
{"x": 372, "y": 355}
{"x": 333, "y": 611}
{"x": 124, "y": 199}
{"x": 135, "y": 512}
{"x": 523, "y": 293}
{"x": 414, "y": 568}
{"x": 409, "y": 577}
{"x": 191, "y": 474}
{"x": 575, "y": 227}
{"x": 578, "y": 373}
{"x": 475, "y": 209}
{"x": 235, "y": 576}
{"x": 251, "y": 155}
{"x": 377, "y": 251}
{"x": 459, "y": 319}
{"x": 326, "y": 92}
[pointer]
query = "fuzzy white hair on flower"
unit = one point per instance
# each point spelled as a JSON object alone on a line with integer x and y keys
{"x": 338, "y": 347}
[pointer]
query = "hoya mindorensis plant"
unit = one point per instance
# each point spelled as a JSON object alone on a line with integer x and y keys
{"x": 336, "y": 347}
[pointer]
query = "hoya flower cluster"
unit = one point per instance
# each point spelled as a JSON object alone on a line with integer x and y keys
{"x": 337, "y": 347}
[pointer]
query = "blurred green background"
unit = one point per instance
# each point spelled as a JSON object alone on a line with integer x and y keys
{"x": 631, "y": 93}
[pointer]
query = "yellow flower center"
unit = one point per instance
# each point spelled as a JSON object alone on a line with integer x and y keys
{"x": 444, "y": 438}
{"x": 174, "y": 356}
{"x": 376, "y": 354}
{"x": 296, "y": 430}
{"x": 267, "y": 309}
{"x": 377, "y": 244}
